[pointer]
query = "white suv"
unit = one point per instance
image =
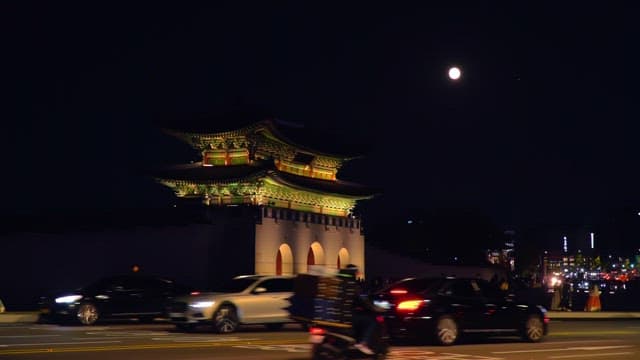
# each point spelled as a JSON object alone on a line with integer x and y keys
{"x": 249, "y": 299}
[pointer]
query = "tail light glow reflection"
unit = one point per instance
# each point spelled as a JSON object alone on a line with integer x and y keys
{"x": 316, "y": 331}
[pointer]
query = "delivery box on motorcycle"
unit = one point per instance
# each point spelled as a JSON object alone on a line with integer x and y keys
{"x": 323, "y": 297}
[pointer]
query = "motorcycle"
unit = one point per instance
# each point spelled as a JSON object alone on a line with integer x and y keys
{"x": 332, "y": 341}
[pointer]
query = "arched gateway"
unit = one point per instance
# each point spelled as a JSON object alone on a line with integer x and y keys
{"x": 284, "y": 260}
{"x": 269, "y": 196}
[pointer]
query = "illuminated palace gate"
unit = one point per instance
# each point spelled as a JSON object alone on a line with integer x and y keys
{"x": 299, "y": 213}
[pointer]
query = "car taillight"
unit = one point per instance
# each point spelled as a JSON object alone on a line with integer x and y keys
{"x": 380, "y": 319}
{"x": 409, "y": 305}
{"x": 316, "y": 331}
{"x": 193, "y": 293}
{"x": 546, "y": 319}
{"x": 398, "y": 291}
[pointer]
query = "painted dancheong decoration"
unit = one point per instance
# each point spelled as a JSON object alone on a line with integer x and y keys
{"x": 259, "y": 165}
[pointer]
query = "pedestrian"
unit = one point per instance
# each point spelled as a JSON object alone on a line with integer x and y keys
{"x": 504, "y": 285}
{"x": 556, "y": 299}
{"x": 593, "y": 302}
{"x": 566, "y": 301}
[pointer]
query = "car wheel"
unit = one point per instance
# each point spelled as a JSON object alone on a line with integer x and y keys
{"x": 533, "y": 329}
{"x": 446, "y": 331}
{"x": 274, "y": 326}
{"x": 88, "y": 314}
{"x": 225, "y": 320}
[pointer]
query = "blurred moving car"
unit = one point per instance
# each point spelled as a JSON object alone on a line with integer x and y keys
{"x": 444, "y": 308}
{"x": 120, "y": 296}
{"x": 248, "y": 299}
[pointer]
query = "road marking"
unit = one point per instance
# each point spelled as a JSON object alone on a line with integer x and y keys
{"x": 450, "y": 356}
{"x": 430, "y": 355}
{"x": 585, "y": 348}
{"x": 67, "y": 328}
{"x": 203, "y": 339}
{"x": 301, "y": 348}
{"x": 581, "y": 341}
{"x": 127, "y": 333}
{"x": 589, "y": 355}
{"x": 66, "y": 343}
{"x": 25, "y": 336}
{"x": 141, "y": 347}
{"x": 594, "y": 332}
{"x": 393, "y": 354}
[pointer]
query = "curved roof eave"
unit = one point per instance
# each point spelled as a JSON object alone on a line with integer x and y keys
{"x": 290, "y": 180}
{"x": 277, "y": 132}
{"x": 186, "y": 135}
{"x": 266, "y": 124}
{"x": 198, "y": 174}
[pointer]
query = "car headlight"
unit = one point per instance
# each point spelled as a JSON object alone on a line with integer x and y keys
{"x": 383, "y": 304}
{"x": 202, "y": 304}
{"x": 68, "y": 299}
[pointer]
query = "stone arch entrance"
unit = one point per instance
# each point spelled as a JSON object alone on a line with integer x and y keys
{"x": 315, "y": 256}
{"x": 284, "y": 260}
{"x": 343, "y": 258}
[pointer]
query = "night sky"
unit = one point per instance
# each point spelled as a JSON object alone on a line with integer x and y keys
{"x": 543, "y": 127}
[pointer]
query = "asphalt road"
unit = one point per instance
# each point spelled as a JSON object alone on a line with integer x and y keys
{"x": 581, "y": 340}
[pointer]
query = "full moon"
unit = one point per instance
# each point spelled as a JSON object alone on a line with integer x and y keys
{"x": 454, "y": 73}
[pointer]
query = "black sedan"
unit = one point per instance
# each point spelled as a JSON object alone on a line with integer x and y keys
{"x": 121, "y": 296}
{"x": 445, "y": 308}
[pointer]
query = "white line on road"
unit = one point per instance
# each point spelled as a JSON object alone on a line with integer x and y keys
{"x": 67, "y": 328}
{"x": 463, "y": 357}
{"x": 25, "y": 336}
{"x": 581, "y": 341}
{"x": 204, "y": 339}
{"x": 589, "y": 355}
{"x": 93, "y": 338}
{"x": 65, "y": 343}
{"x": 586, "y": 348}
{"x": 287, "y": 348}
{"x": 127, "y": 334}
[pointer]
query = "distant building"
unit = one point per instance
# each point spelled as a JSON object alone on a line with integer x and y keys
{"x": 278, "y": 205}
{"x": 504, "y": 256}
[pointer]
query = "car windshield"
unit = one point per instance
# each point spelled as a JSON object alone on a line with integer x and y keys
{"x": 236, "y": 285}
{"x": 98, "y": 285}
{"x": 416, "y": 285}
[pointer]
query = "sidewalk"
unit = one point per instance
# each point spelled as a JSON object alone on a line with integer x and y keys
{"x": 32, "y": 316}
{"x": 19, "y": 317}
{"x": 561, "y": 315}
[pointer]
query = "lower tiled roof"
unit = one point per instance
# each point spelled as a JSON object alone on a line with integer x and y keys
{"x": 213, "y": 174}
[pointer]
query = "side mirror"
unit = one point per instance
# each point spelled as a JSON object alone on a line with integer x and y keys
{"x": 259, "y": 290}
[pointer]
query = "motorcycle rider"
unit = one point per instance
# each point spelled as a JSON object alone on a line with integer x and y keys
{"x": 364, "y": 312}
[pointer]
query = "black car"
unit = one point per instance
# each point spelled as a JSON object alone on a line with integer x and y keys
{"x": 121, "y": 296}
{"x": 444, "y": 308}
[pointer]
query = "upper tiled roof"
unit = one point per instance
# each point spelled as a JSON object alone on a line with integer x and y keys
{"x": 312, "y": 138}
